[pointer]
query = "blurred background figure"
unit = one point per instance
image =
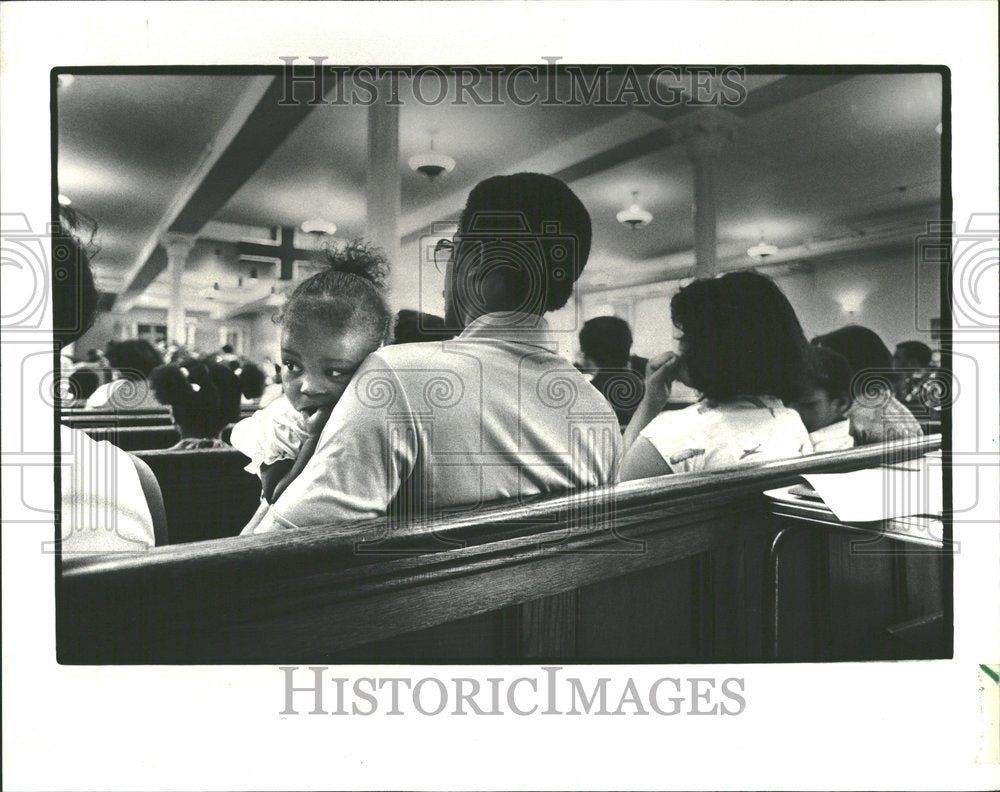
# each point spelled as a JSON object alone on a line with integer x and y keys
{"x": 413, "y": 327}
{"x": 826, "y": 400}
{"x": 227, "y": 357}
{"x": 203, "y": 396}
{"x": 875, "y": 415}
{"x": 605, "y": 352}
{"x": 920, "y": 385}
{"x": 131, "y": 363}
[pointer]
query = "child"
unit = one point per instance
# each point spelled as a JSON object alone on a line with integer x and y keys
{"x": 203, "y": 396}
{"x": 329, "y": 325}
{"x": 825, "y": 401}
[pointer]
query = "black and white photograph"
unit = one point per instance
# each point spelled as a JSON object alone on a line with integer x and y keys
{"x": 408, "y": 378}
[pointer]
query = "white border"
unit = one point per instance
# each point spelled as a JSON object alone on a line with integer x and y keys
{"x": 892, "y": 726}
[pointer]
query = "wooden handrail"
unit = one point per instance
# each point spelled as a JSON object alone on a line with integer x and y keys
{"x": 311, "y": 590}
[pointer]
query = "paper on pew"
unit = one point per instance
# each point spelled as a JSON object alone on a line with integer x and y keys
{"x": 881, "y": 493}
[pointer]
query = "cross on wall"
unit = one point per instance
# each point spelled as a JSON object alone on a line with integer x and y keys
{"x": 284, "y": 251}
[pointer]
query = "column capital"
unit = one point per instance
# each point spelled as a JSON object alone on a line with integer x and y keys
{"x": 706, "y": 132}
{"x": 178, "y": 245}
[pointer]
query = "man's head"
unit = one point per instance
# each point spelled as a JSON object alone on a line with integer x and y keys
{"x": 522, "y": 242}
{"x": 605, "y": 342}
{"x": 911, "y": 355}
{"x": 826, "y": 396}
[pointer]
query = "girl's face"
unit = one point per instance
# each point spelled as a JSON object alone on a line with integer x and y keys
{"x": 317, "y": 364}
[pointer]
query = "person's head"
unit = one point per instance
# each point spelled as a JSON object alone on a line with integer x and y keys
{"x": 74, "y": 294}
{"x": 227, "y": 349}
{"x": 331, "y": 323}
{"x": 133, "y": 359}
{"x": 862, "y": 347}
{"x": 605, "y": 342}
{"x": 911, "y": 355}
{"x": 522, "y": 242}
{"x": 252, "y": 381}
{"x": 415, "y": 326}
{"x": 826, "y": 394}
{"x": 739, "y": 336}
{"x": 203, "y": 395}
{"x": 82, "y": 383}
{"x": 93, "y": 356}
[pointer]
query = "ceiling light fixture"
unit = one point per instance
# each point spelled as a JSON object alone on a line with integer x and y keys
{"x": 319, "y": 226}
{"x": 64, "y": 200}
{"x": 762, "y": 250}
{"x": 432, "y": 163}
{"x": 635, "y": 216}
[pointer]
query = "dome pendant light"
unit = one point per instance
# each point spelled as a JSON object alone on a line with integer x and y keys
{"x": 431, "y": 163}
{"x": 635, "y": 216}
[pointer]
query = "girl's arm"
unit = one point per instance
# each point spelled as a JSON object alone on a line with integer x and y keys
{"x": 314, "y": 425}
{"x": 661, "y": 372}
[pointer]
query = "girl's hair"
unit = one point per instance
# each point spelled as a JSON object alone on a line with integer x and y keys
{"x": 740, "y": 337}
{"x": 862, "y": 347}
{"x": 349, "y": 293}
{"x": 203, "y": 395}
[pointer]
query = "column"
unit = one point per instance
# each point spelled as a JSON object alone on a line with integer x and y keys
{"x": 705, "y": 133}
{"x": 177, "y": 246}
{"x": 383, "y": 184}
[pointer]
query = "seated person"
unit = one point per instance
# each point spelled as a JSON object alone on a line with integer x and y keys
{"x": 825, "y": 400}
{"x": 920, "y": 384}
{"x": 110, "y": 500}
{"x": 496, "y": 413}
{"x": 605, "y": 346}
{"x": 876, "y": 415}
{"x": 743, "y": 349}
{"x": 329, "y": 325}
{"x": 415, "y": 326}
{"x": 252, "y": 383}
{"x": 131, "y": 362}
{"x": 203, "y": 397}
{"x": 82, "y": 384}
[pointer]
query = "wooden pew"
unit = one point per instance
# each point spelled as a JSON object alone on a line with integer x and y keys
{"x": 136, "y": 438}
{"x": 150, "y": 416}
{"x": 653, "y": 570}
{"x": 207, "y": 494}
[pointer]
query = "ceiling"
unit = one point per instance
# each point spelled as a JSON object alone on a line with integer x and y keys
{"x": 830, "y": 160}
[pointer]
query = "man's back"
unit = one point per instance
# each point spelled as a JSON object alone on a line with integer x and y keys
{"x": 438, "y": 428}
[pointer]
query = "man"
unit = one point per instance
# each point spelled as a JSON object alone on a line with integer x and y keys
{"x": 919, "y": 385}
{"x": 433, "y": 429}
{"x": 825, "y": 401}
{"x": 606, "y": 344}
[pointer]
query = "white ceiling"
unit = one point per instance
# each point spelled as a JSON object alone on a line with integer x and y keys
{"x": 826, "y": 165}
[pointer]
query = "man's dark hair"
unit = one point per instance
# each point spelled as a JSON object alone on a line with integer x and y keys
{"x": 917, "y": 351}
{"x": 527, "y": 216}
{"x": 607, "y": 340}
{"x": 831, "y": 373}
{"x": 415, "y": 326}
{"x": 82, "y": 383}
{"x": 862, "y": 347}
{"x": 135, "y": 359}
{"x": 74, "y": 295}
{"x": 252, "y": 381}
{"x": 740, "y": 337}
{"x": 203, "y": 395}
{"x": 227, "y": 349}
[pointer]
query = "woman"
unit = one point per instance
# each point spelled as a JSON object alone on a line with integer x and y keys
{"x": 875, "y": 415}
{"x": 204, "y": 396}
{"x": 132, "y": 361}
{"x": 110, "y": 500}
{"x": 742, "y": 349}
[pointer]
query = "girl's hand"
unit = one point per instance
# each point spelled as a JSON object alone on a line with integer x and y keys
{"x": 661, "y": 371}
{"x": 316, "y": 421}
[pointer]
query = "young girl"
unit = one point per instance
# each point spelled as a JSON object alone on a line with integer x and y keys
{"x": 329, "y": 325}
{"x": 203, "y": 396}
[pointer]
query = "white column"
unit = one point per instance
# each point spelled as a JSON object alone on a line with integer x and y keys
{"x": 705, "y": 133}
{"x": 177, "y": 246}
{"x": 383, "y": 184}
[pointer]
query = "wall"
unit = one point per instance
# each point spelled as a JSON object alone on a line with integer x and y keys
{"x": 884, "y": 291}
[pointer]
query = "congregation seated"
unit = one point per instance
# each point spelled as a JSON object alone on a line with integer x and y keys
{"x": 743, "y": 350}
{"x": 132, "y": 362}
{"x": 875, "y": 414}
